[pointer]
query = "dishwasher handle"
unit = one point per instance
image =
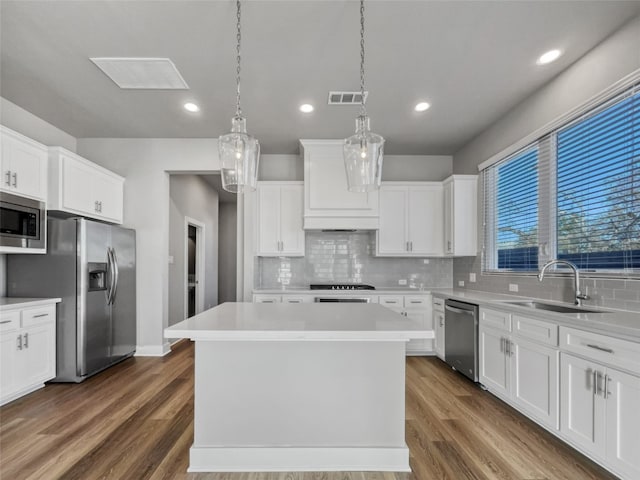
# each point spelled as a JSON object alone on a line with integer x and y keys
{"x": 459, "y": 310}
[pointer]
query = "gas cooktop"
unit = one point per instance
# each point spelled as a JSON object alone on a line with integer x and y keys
{"x": 341, "y": 286}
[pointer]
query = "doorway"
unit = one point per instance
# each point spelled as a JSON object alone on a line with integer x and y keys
{"x": 194, "y": 262}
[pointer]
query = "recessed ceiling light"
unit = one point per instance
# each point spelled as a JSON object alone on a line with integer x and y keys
{"x": 191, "y": 107}
{"x": 421, "y": 107}
{"x": 306, "y": 108}
{"x": 549, "y": 57}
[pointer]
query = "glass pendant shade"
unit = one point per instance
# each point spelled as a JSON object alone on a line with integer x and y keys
{"x": 239, "y": 154}
{"x": 363, "y": 154}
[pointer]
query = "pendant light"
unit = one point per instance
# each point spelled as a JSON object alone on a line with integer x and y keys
{"x": 363, "y": 151}
{"x": 239, "y": 152}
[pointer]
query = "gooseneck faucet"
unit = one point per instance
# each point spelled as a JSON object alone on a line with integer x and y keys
{"x": 579, "y": 296}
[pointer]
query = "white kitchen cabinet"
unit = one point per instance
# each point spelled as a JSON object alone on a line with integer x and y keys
{"x": 460, "y": 215}
{"x": 28, "y": 350}
{"x": 438, "y": 326}
{"x": 410, "y": 219}
{"x": 417, "y": 308}
{"x": 520, "y": 366}
{"x": 328, "y": 204}
{"x": 279, "y": 217}
{"x": 23, "y": 163}
{"x": 80, "y": 187}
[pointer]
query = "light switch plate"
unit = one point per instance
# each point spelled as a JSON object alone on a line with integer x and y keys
{"x": 513, "y": 287}
{"x": 461, "y": 283}
{"x": 472, "y": 277}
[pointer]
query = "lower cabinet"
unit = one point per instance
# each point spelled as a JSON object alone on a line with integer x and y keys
{"x": 417, "y": 308}
{"x": 601, "y": 412}
{"x": 438, "y": 327}
{"x": 27, "y": 351}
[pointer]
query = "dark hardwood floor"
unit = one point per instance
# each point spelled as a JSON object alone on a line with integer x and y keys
{"x": 135, "y": 421}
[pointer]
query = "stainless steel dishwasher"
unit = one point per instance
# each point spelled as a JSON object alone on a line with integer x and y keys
{"x": 461, "y": 337}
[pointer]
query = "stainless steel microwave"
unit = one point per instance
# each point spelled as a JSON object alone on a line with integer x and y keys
{"x": 22, "y": 223}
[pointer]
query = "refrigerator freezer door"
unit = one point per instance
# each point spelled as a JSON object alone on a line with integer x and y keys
{"x": 94, "y": 314}
{"x": 123, "y": 313}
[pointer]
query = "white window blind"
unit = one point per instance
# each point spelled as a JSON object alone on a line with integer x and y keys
{"x": 598, "y": 187}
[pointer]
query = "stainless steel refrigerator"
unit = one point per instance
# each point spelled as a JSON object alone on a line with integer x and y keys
{"x": 92, "y": 267}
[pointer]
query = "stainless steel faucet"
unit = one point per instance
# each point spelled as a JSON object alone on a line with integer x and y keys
{"x": 576, "y": 276}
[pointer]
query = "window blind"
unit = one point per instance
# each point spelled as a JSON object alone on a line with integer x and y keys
{"x": 598, "y": 187}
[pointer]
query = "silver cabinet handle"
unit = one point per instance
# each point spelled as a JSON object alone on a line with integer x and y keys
{"x": 100, "y": 203}
{"x": 406, "y": 246}
{"x": 95, "y": 206}
{"x": 415, "y": 301}
{"x": 8, "y": 181}
{"x": 512, "y": 348}
{"x": 507, "y": 347}
{"x": 597, "y": 379}
{"x": 4, "y": 321}
{"x": 411, "y": 246}
{"x": 448, "y": 245}
{"x": 26, "y": 340}
{"x": 594, "y": 380}
{"x": 41, "y": 315}
{"x": 598, "y": 347}
{"x": 606, "y": 391}
{"x": 15, "y": 179}
{"x": 19, "y": 342}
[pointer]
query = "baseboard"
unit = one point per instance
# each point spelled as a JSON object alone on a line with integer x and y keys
{"x": 153, "y": 350}
{"x": 21, "y": 393}
{"x": 295, "y": 459}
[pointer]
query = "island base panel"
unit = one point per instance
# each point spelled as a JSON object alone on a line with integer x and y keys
{"x": 299, "y": 406}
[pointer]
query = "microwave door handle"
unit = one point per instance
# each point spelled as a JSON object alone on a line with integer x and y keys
{"x": 116, "y": 271}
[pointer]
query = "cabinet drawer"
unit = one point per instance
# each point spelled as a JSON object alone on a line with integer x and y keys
{"x": 9, "y": 321}
{"x": 392, "y": 301}
{"x": 533, "y": 329}
{"x": 266, "y": 299}
{"x": 38, "y": 315}
{"x": 297, "y": 299}
{"x": 495, "y": 319}
{"x": 416, "y": 301}
{"x": 611, "y": 351}
{"x": 438, "y": 304}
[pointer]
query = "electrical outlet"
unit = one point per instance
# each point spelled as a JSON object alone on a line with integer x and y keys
{"x": 513, "y": 287}
{"x": 402, "y": 281}
{"x": 461, "y": 283}
{"x": 425, "y": 261}
{"x": 472, "y": 277}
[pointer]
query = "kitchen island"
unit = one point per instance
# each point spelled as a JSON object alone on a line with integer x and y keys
{"x": 306, "y": 387}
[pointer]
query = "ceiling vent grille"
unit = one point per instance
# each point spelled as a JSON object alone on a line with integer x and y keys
{"x": 347, "y": 98}
{"x": 142, "y": 73}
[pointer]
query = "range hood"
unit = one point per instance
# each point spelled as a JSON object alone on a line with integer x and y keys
{"x": 328, "y": 204}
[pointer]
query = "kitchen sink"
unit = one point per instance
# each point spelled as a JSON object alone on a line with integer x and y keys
{"x": 553, "y": 307}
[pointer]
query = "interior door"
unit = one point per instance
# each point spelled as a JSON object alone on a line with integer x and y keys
{"x": 123, "y": 308}
{"x": 94, "y": 323}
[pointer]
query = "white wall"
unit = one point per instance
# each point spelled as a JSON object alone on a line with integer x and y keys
{"x": 613, "y": 59}
{"x": 145, "y": 163}
{"x": 190, "y": 196}
{"x": 227, "y": 248}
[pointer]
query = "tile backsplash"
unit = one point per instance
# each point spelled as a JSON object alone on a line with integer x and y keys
{"x": 613, "y": 293}
{"x": 348, "y": 257}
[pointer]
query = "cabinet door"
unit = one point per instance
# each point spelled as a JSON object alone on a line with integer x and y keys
{"x": 534, "y": 380}
{"x": 291, "y": 232}
{"x": 392, "y": 235}
{"x": 28, "y": 169}
{"x": 425, "y": 220}
{"x": 448, "y": 218}
{"x": 78, "y": 192}
{"x": 109, "y": 192}
{"x": 8, "y": 355}
{"x": 494, "y": 362}
{"x": 422, "y": 345}
{"x": 268, "y": 220}
{"x": 623, "y": 422}
{"x": 438, "y": 320}
{"x": 37, "y": 358}
{"x": 582, "y": 411}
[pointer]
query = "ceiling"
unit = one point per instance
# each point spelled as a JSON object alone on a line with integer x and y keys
{"x": 472, "y": 60}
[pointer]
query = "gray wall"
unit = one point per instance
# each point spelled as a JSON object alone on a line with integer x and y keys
{"x": 227, "y": 251}
{"x": 190, "y": 196}
{"x": 613, "y": 59}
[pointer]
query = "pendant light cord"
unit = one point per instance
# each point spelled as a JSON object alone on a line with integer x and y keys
{"x": 238, "y": 58}
{"x": 363, "y": 110}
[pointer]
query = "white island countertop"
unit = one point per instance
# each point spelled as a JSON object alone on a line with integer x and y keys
{"x": 317, "y": 321}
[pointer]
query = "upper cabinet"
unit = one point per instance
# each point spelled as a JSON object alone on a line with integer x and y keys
{"x": 411, "y": 219}
{"x": 23, "y": 163}
{"x": 460, "y": 215}
{"x": 328, "y": 204}
{"x": 279, "y": 207}
{"x": 78, "y": 186}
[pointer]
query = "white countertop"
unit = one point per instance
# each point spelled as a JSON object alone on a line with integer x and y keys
{"x": 324, "y": 293}
{"x": 318, "y": 321}
{"x": 9, "y": 303}
{"x": 618, "y": 323}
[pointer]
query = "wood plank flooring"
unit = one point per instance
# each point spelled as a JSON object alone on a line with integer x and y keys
{"x": 135, "y": 421}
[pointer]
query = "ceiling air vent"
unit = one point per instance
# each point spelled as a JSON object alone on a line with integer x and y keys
{"x": 346, "y": 98}
{"x": 142, "y": 73}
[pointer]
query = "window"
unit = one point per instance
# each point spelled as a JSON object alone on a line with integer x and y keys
{"x": 573, "y": 194}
